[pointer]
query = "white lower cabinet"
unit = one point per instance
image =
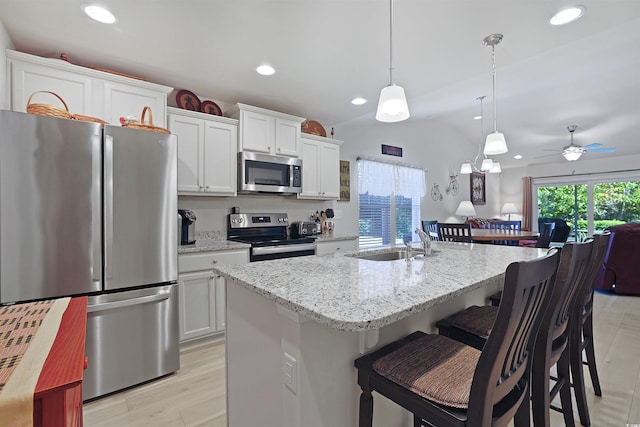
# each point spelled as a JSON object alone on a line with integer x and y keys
{"x": 202, "y": 292}
{"x": 336, "y": 246}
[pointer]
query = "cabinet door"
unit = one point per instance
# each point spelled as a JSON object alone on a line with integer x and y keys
{"x": 197, "y": 304}
{"x": 287, "y": 138}
{"x": 330, "y": 171}
{"x": 121, "y": 100}
{"x": 310, "y": 169}
{"x": 220, "y": 158}
{"x": 221, "y": 302}
{"x": 257, "y": 132}
{"x": 335, "y": 246}
{"x": 76, "y": 90}
{"x": 190, "y": 134}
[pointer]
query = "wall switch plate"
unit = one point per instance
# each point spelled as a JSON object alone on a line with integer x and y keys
{"x": 290, "y": 372}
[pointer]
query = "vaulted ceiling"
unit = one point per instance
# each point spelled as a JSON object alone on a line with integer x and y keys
{"x": 327, "y": 52}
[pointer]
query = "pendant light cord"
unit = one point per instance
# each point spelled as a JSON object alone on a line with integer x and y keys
{"x": 495, "y": 104}
{"x": 390, "y": 42}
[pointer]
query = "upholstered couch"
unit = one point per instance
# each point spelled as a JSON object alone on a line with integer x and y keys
{"x": 620, "y": 271}
{"x": 479, "y": 222}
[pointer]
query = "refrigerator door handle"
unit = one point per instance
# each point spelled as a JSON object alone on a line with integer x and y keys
{"x": 108, "y": 206}
{"x": 128, "y": 302}
{"x": 96, "y": 220}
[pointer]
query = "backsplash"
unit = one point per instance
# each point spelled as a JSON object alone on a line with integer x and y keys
{"x": 211, "y": 212}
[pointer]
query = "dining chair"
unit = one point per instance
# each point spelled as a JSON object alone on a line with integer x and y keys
{"x": 475, "y": 325}
{"x": 582, "y": 331}
{"x": 562, "y": 229}
{"x": 544, "y": 237}
{"x": 447, "y": 383}
{"x": 431, "y": 228}
{"x": 504, "y": 225}
{"x": 454, "y": 232}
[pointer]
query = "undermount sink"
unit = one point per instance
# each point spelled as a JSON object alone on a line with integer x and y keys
{"x": 388, "y": 255}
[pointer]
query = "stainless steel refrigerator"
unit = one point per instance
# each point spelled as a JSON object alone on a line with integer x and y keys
{"x": 87, "y": 210}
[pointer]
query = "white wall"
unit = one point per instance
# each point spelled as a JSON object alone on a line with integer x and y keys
{"x": 5, "y": 43}
{"x": 432, "y": 144}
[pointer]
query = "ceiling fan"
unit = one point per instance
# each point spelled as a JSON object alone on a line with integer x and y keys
{"x": 573, "y": 152}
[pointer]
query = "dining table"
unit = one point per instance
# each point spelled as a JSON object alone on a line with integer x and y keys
{"x": 488, "y": 235}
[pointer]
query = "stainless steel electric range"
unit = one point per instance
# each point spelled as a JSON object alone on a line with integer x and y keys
{"x": 267, "y": 235}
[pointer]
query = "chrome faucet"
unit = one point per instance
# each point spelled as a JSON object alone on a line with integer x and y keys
{"x": 407, "y": 244}
{"x": 426, "y": 241}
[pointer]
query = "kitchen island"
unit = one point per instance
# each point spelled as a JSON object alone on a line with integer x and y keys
{"x": 295, "y": 325}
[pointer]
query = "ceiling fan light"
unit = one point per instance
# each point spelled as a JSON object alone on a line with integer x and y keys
{"x": 495, "y": 168}
{"x": 495, "y": 144}
{"x": 392, "y": 105}
{"x": 572, "y": 152}
{"x": 466, "y": 169}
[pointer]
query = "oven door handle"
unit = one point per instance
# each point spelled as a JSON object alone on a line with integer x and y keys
{"x": 282, "y": 249}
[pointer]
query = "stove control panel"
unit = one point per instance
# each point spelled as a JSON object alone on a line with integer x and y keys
{"x": 251, "y": 220}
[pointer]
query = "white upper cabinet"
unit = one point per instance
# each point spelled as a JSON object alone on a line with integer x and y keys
{"x": 320, "y": 168}
{"x": 266, "y": 131}
{"x": 85, "y": 91}
{"x": 207, "y": 152}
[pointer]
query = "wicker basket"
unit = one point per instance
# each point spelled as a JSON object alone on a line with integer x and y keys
{"x": 48, "y": 110}
{"x": 84, "y": 118}
{"x": 146, "y": 126}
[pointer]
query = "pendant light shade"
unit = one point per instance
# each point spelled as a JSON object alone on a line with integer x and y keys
{"x": 487, "y": 164}
{"x": 392, "y": 106}
{"x": 466, "y": 168}
{"x": 495, "y": 143}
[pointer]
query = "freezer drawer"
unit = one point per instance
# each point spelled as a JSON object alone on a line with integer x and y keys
{"x": 132, "y": 337}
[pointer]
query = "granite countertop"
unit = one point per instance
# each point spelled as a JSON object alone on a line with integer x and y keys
{"x": 212, "y": 242}
{"x": 333, "y": 238}
{"x": 352, "y": 294}
{"x": 205, "y": 245}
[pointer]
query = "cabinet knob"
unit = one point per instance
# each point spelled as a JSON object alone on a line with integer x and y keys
{"x": 214, "y": 261}
{"x": 278, "y": 149}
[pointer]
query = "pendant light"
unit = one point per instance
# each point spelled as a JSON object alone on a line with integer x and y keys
{"x": 487, "y": 165}
{"x": 495, "y": 143}
{"x": 392, "y": 106}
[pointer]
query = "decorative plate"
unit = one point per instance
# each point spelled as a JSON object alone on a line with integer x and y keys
{"x": 187, "y": 100}
{"x": 211, "y": 107}
{"x": 312, "y": 127}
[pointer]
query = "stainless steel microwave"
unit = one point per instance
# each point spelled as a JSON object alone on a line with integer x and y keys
{"x": 261, "y": 173}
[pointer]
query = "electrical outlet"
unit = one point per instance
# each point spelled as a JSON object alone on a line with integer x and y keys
{"x": 337, "y": 214}
{"x": 290, "y": 372}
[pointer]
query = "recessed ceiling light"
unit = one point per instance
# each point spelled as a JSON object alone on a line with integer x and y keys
{"x": 100, "y": 14}
{"x": 567, "y": 15}
{"x": 358, "y": 101}
{"x": 477, "y": 117}
{"x": 265, "y": 70}
{"x": 517, "y": 157}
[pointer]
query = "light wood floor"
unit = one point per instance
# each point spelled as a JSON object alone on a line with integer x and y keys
{"x": 195, "y": 396}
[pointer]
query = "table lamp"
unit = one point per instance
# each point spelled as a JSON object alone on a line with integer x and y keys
{"x": 466, "y": 210}
{"x": 508, "y": 209}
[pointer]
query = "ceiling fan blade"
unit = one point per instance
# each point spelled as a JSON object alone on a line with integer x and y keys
{"x": 548, "y": 155}
{"x": 601, "y": 150}
{"x": 594, "y": 145}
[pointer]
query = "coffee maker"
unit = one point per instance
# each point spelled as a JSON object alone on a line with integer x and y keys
{"x": 187, "y": 226}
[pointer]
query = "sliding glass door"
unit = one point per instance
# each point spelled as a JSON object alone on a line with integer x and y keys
{"x": 589, "y": 203}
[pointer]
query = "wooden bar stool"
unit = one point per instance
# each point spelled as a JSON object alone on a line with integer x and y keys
{"x": 447, "y": 383}
{"x": 582, "y": 331}
{"x": 552, "y": 343}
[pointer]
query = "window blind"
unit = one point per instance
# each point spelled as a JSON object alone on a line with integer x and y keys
{"x": 389, "y": 202}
